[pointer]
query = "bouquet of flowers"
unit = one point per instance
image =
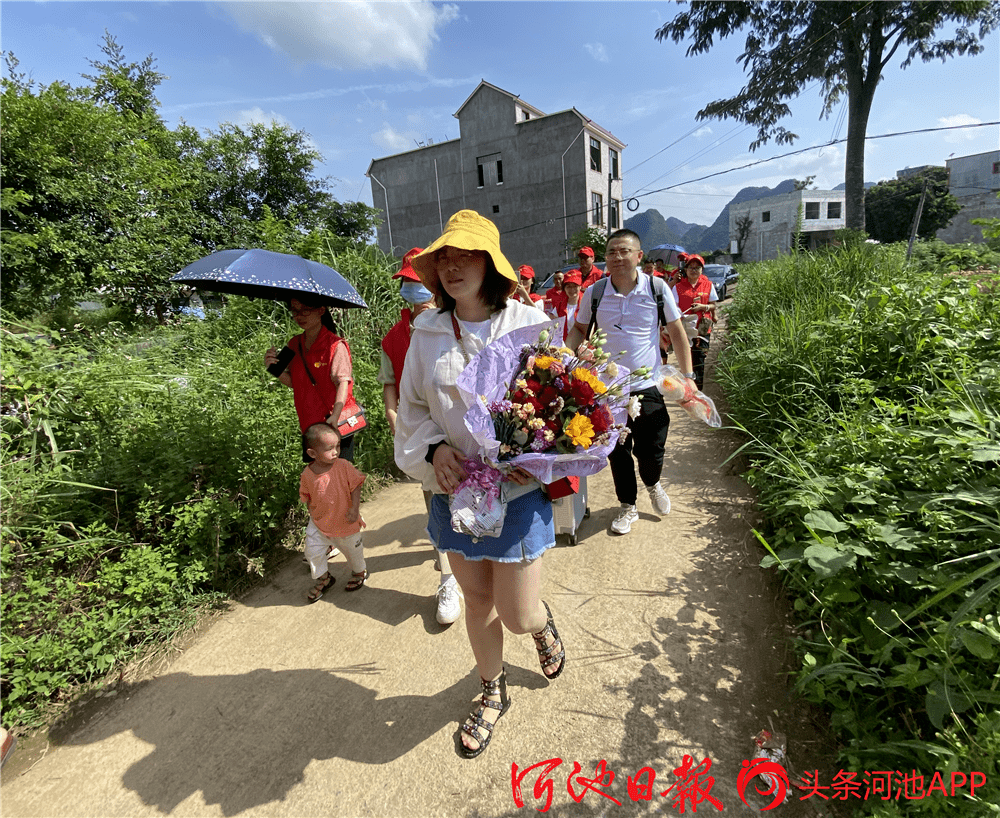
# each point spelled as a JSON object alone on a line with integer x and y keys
{"x": 544, "y": 408}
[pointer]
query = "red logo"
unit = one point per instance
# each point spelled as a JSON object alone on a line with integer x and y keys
{"x": 772, "y": 773}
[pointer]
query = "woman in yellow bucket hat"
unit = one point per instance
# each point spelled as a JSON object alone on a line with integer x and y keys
{"x": 500, "y": 577}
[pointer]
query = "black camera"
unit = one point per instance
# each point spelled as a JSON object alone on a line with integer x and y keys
{"x": 284, "y": 359}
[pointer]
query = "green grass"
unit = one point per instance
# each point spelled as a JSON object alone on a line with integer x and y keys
{"x": 870, "y": 393}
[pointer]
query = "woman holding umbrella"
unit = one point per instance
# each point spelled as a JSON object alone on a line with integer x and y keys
{"x": 319, "y": 373}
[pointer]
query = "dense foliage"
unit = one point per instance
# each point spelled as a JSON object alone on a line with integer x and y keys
{"x": 871, "y": 393}
{"x": 890, "y": 206}
{"x": 99, "y": 195}
{"x": 146, "y": 473}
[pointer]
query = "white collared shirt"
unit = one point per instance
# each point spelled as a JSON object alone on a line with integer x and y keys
{"x": 631, "y": 324}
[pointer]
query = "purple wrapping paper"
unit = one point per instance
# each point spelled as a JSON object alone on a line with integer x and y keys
{"x": 486, "y": 380}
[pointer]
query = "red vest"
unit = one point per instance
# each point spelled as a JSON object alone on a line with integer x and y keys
{"x": 313, "y": 403}
{"x": 688, "y": 295}
{"x": 395, "y": 344}
{"x": 596, "y": 274}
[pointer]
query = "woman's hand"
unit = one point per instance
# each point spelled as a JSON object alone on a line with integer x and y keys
{"x": 520, "y": 476}
{"x": 449, "y": 467}
{"x": 271, "y": 357}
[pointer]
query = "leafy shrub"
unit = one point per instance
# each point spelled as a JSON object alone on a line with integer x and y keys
{"x": 145, "y": 473}
{"x": 936, "y": 255}
{"x": 871, "y": 392}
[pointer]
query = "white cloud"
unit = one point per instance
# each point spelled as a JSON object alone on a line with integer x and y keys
{"x": 959, "y": 136}
{"x": 256, "y": 116}
{"x": 350, "y": 34}
{"x": 597, "y": 51}
{"x": 392, "y": 139}
{"x": 704, "y": 130}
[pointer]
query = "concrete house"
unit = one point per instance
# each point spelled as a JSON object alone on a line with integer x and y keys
{"x": 539, "y": 177}
{"x": 773, "y": 220}
{"x": 975, "y": 181}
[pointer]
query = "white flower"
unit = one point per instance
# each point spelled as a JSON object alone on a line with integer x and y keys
{"x": 612, "y": 369}
{"x": 633, "y": 407}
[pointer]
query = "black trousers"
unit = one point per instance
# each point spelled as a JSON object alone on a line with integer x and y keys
{"x": 646, "y": 442}
{"x": 699, "y": 352}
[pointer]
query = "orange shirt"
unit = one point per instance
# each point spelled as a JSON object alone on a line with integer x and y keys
{"x": 328, "y": 497}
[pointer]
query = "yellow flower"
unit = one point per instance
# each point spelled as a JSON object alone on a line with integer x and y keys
{"x": 544, "y": 361}
{"x": 588, "y": 377}
{"x": 580, "y": 431}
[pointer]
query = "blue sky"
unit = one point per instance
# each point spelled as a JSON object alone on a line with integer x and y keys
{"x": 368, "y": 79}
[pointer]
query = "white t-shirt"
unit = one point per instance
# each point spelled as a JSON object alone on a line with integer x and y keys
{"x": 632, "y": 325}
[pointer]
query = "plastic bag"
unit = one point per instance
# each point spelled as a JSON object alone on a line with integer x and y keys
{"x": 674, "y": 386}
{"x": 479, "y": 505}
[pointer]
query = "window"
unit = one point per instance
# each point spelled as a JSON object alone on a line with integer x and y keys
{"x": 996, "y": 167}
{"x": 597, "y": 207}
{"x": 527, "y": 115}
{"x": 613, "y": 205}
{"x": 595, "y": 154}
{"x": 812, "y": 210}
{"x": 833, "y": 210}
{"x": 496, "y": 208}
{"x": 613, "y": 162}
{"x": 765, "y": 216}
{"x": 490, "y": 170}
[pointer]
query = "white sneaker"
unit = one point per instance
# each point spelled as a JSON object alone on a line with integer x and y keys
{"x": 623, "y": 522}
{"x": 658, "y": 497}
{"x": 449, "y": 608}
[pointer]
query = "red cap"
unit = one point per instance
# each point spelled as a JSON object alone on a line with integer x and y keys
{"x": 585, "y": 251}
{"x": 407, "y": 272}
{"x": 573, "y": 277}
{"x": 525, "y": 271}
{"x": 693, "y": 257}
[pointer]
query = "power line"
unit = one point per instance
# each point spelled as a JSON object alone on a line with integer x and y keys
{"x": 758, "y": 162}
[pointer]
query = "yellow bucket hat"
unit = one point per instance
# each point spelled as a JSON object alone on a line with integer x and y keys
{"x": 466, "y": 230}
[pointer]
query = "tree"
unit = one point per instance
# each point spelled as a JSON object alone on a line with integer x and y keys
{"x": 845, "y": 46}
{"x": 92, "y": 199}
{"x": 587, "y": 236}
{"x": 98, "y": 194}
{"x": 890, "y": 206}
{"x": 744, "y": 224}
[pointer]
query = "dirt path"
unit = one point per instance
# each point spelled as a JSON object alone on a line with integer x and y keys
{"x": 349, "y": 707}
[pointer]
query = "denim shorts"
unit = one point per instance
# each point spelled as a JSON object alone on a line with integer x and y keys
{"x": 527, "y": 531}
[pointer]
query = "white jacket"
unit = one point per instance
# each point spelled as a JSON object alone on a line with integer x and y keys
{"x": 430, "y": 407}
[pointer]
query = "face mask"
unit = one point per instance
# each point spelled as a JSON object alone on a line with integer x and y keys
{"x": 414, "y": 292}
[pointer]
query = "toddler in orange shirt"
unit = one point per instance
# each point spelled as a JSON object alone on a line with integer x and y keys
{"x": 331, "y": 488}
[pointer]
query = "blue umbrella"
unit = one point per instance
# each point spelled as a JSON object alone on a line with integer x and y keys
{"x": 265, "y": 274}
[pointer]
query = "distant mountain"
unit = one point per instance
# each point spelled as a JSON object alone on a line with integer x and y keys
{"x": 653, "y": 229}
{"x": 689, "y": 233}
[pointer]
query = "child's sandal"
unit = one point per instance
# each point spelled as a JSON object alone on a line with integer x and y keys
{"x": 321, "y": 587}
{"x": 357, "y": 581}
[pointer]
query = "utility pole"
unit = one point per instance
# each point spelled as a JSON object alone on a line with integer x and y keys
{"x": 916, "y": 220}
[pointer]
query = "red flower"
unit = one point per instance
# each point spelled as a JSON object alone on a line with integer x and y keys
{"x": 602, "y": 420}
{"x": 548, "y": 394}
{"x": 534, "y": 385}
{"x": 535, "y": 403}
{"x": 583, "y": 394}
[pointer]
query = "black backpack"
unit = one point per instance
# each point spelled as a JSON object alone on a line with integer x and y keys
{"x": 597, "y": 293}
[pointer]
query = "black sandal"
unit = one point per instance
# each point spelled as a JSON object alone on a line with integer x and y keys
{"x": 321, "y": 588}
{"x": 497, "y": 687}
{"x": 549, "y": 655}
{"x": 357, "y": 581}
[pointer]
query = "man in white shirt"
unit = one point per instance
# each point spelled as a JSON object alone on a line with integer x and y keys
{"x": 629, "y": 314}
